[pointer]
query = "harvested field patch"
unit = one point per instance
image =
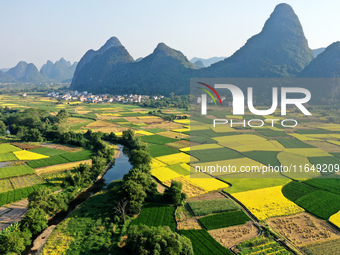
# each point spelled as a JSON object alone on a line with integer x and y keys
{"x": 323, "y": 248}
{"x": 303, "y": 229}
{"x": 26, "y": 146}
{"x": 190, "y": 189}
{"x": 61, "y": 167}
{"x": 231, "y": 236}
{"x": 173, "y": 135}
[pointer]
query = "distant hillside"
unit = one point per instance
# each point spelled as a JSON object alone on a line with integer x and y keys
{"x": 163, "y": 71}
{"x": 60, "y": 71}
{"x": 208, "y": 61}
{"x": 28, "y": 73}
{"x": 279, "y": 50}
{"x": 325, "y": 65}
{"x": 318, "y": 51}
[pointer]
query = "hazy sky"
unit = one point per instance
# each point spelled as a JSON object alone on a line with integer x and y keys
{"x": 37, "y": 30}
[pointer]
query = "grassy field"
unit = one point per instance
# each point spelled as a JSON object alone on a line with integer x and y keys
{"x": 181, "y": 169}
{"x": 224, "y": 220}
{"x": 206, "y": 207}
{"x": 13, "y": 171}
{"x": 77, "y": 156}
{"x": 157, "y": 150}
{"x": 293, "y": 143}
{"x": 5, "y": 147}
{"x": 204, "y": 244}
{"x": 53, "y": 160}
{"x": 16, "y": 195}
{"x": 157, "y": 139}
{"x": 265, "y": 157}
{"x": 48, "y": 151}
{"x": 8, "y": 156}
{"x": 155, "y": 215}
{"x": 209, "y": 155}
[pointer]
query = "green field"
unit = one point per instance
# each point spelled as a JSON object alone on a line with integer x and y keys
{"x": 239, "y": 184}
{"x": 154, "y": 215}
{"x": 26, "y": 181}
{"x": 157, "y": 150}
{"x": 5, "y": 147}
{"x": 205, "y": 207}
{"x": 77, "y": 156}
{"x": 204, "y": 244}
{"x": 294, "y": 190}
{"x": 265, "y": 157}
{"x": 157, "y": 139}
{"x": 5, "y": 185}
{"x": 320, "y": 203}
{"x": 324, "y": 163}
{"x": 224, "y": 220}
{"x": 328, "y": 184}
{"x": 8, "y": 156}
{"x": 271, "y": 134}
{"x": 293, "y": 143}
{"x": 179, "y": 169}
{"x": 48, "y": 151}
{"x": 323, "y": 248}
{"x": 261, "y": 245}
{"x": 13, "y": 171}
{"x": 16, "y": 195}
{"x": 54, "y": 160}
{"x": 215, "y": 154}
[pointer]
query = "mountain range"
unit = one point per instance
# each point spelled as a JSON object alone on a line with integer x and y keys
{"x": 60, "y": 71}
{"x": 280, "y": 50}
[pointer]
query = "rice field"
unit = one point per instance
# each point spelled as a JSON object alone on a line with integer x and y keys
{"x": 268, "y": 202}
{"x": 29, "y": 155}
{"x": 5, "y": 185}
{"x": 174, "y": 158}
{"x": 206, "y": 182}
{"x": 164, "y": 174}
{"x": 13, "y": 171}
{"x": 5, "y": 147}
{"x": 8, "y": 156}
{"x": 26, "y": 181}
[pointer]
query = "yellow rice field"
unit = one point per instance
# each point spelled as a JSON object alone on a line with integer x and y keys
{"x": 335, "y": 219}
{"x": 303, "y": 137}
{"x": 164, "y": 174}
{"x": 156, "y": 163}
{"x": 268, "y": 202}
{"x": 142, "y": 132}
{"x": 28, "y": 155}
{"x": 174, "y": 158}
{"x": 148, "y": 117}
{"x": 206, "y": 182}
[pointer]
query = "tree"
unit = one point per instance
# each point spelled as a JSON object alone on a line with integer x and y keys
{"x": 12, "y": 240}
{"x": 156, "y": 240}
{"x": 35, "y": 220}
{"x": 3, "y": 129}
{"x": 120, "y": 208}
{"x": 33, "y": 135}
{"x": 174, "y": 194}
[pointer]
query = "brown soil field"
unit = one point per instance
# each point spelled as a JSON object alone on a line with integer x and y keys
{"x": 71, "y": 121}
{"x": 103, "y": 126}
{"x": 171, "y": 134}
{"x": 180, "y": 144}
{"x": 61, "y": 147}
{"x": 208, "y": 196}
{"x": 186, "y": 223}
{"x": 231, "y": 236}
{"x": 303, "y": 228}
{"x": 26, "y": 146}
{"x": 167, "y": 125}
{"x": 160, "y": 187}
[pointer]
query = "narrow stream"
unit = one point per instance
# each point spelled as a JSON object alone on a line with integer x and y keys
{"x": 120, "y": 167}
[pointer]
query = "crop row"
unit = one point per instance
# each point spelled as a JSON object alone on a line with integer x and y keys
{"x": 206, "y": 207}
{"x": 18, "y": 194}
{"x": 13, "y": 171}
{"x": 61, "y": 159}
{"x": 157, "y": 215}
{"x": 203, "y": 243}
{"x": 224, "y": 220}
